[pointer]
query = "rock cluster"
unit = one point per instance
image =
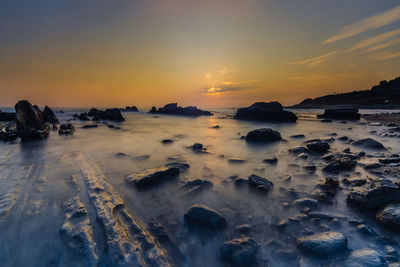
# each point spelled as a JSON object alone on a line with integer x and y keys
{"x": 270, "y": 112}
{"x": 174, "y": 109}
{"x": 341, "y": 113}
{"x": 111, "y": 114}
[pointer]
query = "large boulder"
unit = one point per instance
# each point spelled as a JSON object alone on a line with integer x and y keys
{"x": 174, "y": 109}
{"x": 375, "y": 194}
{"x": 390, "y": 215}
{"x": 203, "y": 216}
{"x": 153, "y": 177}
{"x": 341, "y": 113}
{"x": 270, "y": 112}
{"x": 365, "y": 258}
{"x": 240, "y": 251}
{"x": 111, "y": 114}
{"x": 369, "y": 143}
{"x": 30, "y": 122}
{"x": 263, "y": 135}
{"x": 49, "y": 116}
{"x": 321, "y": 244}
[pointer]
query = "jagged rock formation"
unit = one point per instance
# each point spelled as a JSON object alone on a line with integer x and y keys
{"x": 261, "y": 111}
{"x": 112, "y": 114}
{"x": 30, "y": 122}
{"x": 173, "y": 109}
{"x": 49, "y": 116}
{"x": 130, "y": 109}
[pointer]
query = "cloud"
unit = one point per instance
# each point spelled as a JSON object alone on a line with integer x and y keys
{"x": 370, "y": 23}
{"x": 315, "y": 61}
{"x": 226, "y": 87}
{"x": 386, "y": 56}
{"x": 384, "y": 45}
{"x": 374, "y": 40}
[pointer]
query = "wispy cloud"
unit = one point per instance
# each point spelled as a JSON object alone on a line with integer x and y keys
{"x": 315, "y": 61}
{"x": 370, "y": 23}
{"x": 386, "y": 56}
{"x": 384, "y": 45}
{"x": 374, "y": 40}
{"x": 226, "y": 87}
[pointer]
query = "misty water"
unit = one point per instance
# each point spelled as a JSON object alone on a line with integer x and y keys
{"x": 37, "y": 178}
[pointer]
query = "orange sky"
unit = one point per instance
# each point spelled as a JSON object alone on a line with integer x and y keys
{"x": 225, "y": 53}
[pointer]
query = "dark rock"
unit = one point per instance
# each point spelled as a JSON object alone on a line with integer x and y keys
{"x": 83, "y": 117}
{"x": 340, "y": 163}
{"x": 271, "y": 160}
{"x": 322, "y": 244}
{"x": 173, "y": 109}
{"x": 355, "y": 181}
{"x": 197, "y": 146}
{"x": 111, "y": 126}
{"x": 167, "y": 141}
{"x": 240, "y": 251}
{"x": 374, "y": 194}
{"x": 298, "y": 150}
{"x": 341, "y": 113}
{"x": 319, "y": 146}
{"x": 49, "y": 116}
{"x": 343, "y": 138}
{"x": 66, "y": 129}
{"x": 390, "y": 215}
{"x": 298, "y": 136}
{"x": 180, "y": 166}
{"x": 153, "y": 177}
{"x": 263, "y": 135}
{"x": 369, "y": 143}
{"x": 30, "y": 122}
{"x": 243, "y": 229}
{"x": 153, "y": 110}
{"x": 326, "y": 120}
{"x": 8, "y": 133}
{"x": 255, "y": 181}
{"x": 389, "y": 161}
{"x": 373, "y": 166}
{"x": 112, "y": 114}
{"x": 215, "y": 127}
{"x": 366, "y": 230}
{"x": 365, "y": 257}
{"x": 261, "y": 111}
{"x": 88, "y": 126}
{"x": 306, "y": 202}
{"x": 7, "y": 116}
{"x": 203, "y": 216}
{"x": 236, "y": 161}
{"x": 241, "y": 181}
{"x": 130, "y": 109}
{"x": 197, "y": 182}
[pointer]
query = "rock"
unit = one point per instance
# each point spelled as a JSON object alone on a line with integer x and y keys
{"x": 180, "y": 166}
{"x": 112, "y": 114}
{"x": 8, "y": 132}
{"x": 374, "y": 194}
{"x": 130, "y": 109}
{"x": 366, "y": 230}
{"x": 390, "y": 215}
{"x": 237, "y": 161}
{"x": 326, "y": 190}
{"x": 203, "y": 216}
{"x": 319, "y": 146}
{"x": 298, "y": 136}
{"x": 241, "y": 181}
{"x": 389, "y": 161}
{"x": 306, "y": 202}
{"x": 364, "y": 258}
{"x": 215, "y": 127}
{"x": 7, "y": 116}
{"x": 261, "y": 111}
{"x": 152, "y": 177}
{"x": 372, "y": 166}
{"x": 271, "y": 160}
{"x": 66, "y": 129}
{"x": 83, "y": 117}
{"x": 49, "y": 116}
{"x": 197, "y": 182}
{"x": 263, "y": 135}
{"x": 355, "y": 181}
{"x": 173, "y": 109}
{"x": 255, "y": 181}
{"x": 167, "y": 141}
{"x": 341, "y": 113}
{"x": 343, "y": 138}
{"x": 369, "y": 143}
{"x": 322, "y": 244}
{"x": 30, "y": 122}
{"x": 243, "y": 229}
{"x": 89, "y": 126}
{"x": 340, "y": 163}
{"x": 298, "y": 150}
{"x": 153, "y": 110}
{"x": 240, "y": 251}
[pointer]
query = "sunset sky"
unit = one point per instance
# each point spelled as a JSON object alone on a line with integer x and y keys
{"x": 74, "y": 53}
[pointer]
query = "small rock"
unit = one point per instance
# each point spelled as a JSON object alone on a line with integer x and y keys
{"x": 324, "y": 243}
{"x": 240, "y": 252}
{"x": 203, "y": 216}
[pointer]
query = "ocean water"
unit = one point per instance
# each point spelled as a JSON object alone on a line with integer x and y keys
{"x": 37, "y": 178}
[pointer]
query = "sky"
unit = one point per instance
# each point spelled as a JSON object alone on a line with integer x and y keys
{"x": 225, "y": 53}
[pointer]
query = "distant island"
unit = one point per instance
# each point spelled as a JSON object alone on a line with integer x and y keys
{"x": 385, "y": 95}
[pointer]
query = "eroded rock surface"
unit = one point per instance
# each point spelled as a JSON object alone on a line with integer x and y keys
{"x": 203, "y": 216}
{"x": 325, "y": 243}
{"x": 153, "y": 177}
{"x": 240, "y": 251}
{"x": 30, "y": 122}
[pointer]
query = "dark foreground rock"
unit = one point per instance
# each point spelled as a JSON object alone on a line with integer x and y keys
{"x": 111, "y": 114}
{"x": 369, "y": 143}
{"x": 30, "y": 122}
{"x": 318, "y": 146}
{"x": 8, "y": 132}
{"x": 375, "y": 194}
{"x": 263, "y": 135}
{"x": 66, "y": 129}
{"x": 173, "y": 109}
{"x": 340, "y": 163}
{"x": 365, "y": 257}
{"x": 7, "y": 116}
{"x": 49, "y": 116}
{"x": 261, "y": 111}
{"x": 321, "y": 244}
{"x": 390, "y": 215}
{"x": 240, "y": 251}
{"x": 203, "y": 216}
{"x": 341, "y": 113}
{"x": 153, "y": 177}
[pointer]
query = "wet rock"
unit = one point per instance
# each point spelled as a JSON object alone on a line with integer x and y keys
{"x": 319, "y": 146}
{"x": 237, "y": 161}
{"x": 271, "y": 161}
{"x": 7, "y": 116}
{"x": 8, "y": 132}
{"x": 366, "y": 230}
{"x": 261, "y": 111}
{"x": 196, "y": 182}
{"x": 263, "y": 135}
{"x": 90, "y": 126}
{"x": 130, "y": 109}
{"x": 153, "y": 177}
{"x": 66, "y": 129}
{"x": 340, "y": 163}
{"x": 241, "y": 181}
{"x": 298, "y": 136}
{"x": 243, "y": 229}
{"x": 255, "y": 181}
{"x": 173, "y": 109}
{"x": 369, "y": 143}
{"x": 341, "y": 113}
{"x": 111, "y": 114}
{"x": 197, "y": 147}
{"x": 203, "y": 216}
{"x": 49, "y": 116}
{"x": 374, "y": 194}
{"x": 390, "y": 215}
{"x": 306, "y": 202}
{"x": 372, "y": 166}
{"x": 215, "y": 127}
{"x": 299, "y": 150}
{"x": 167, "y": 141}
{"x": 355, "y": 181}
{"x": 389, "y": 160}
{"x": 324, "y": 243}
{"x": 365, "y": 257}
{"x": 180, "y": 166}
{"x": 240, "y": 251}
{"x": 82, "y": 117}
{"x": 343, "y": 138}
{"x": 30, "y": 122}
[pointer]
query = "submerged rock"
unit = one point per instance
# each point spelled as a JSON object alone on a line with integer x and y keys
{"x": 375, "y": 194}
{"x": 321, "y": 244}
{"x": 260, "y": 182}
{"x": 112, "y": 114}
{"x": 318, "y": 146}
{"x": 173, "y": 109}
{"x": 341, "y": 113}
{"x": 30, "y": 122}
{"x": 263, "y": 135}
{"x": 298, "y": 150}
{"x": 240, "y": 251}
{"x": 340, "y": 163}
{"x": 49, "y": 116}
{"x": 369, "y": 143}
{"x": 365, "y": 257}
{"x": 390, "y": 215}
{"x": 153, "y": 177}
{"x": 66, "y": 129}
{"x": 203, "y": 216}
{"x": 262, "y": 111}
{"x": 89, "y": 126}
{"x": 271, "y": 160}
